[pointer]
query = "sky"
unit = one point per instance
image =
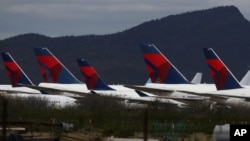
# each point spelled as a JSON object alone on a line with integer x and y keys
{"x": 56, "y": 18}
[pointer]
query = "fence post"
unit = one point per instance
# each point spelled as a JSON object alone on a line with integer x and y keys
{"x": 145, "y": 123}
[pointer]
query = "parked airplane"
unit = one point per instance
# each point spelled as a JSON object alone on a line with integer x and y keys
{"x": 57, "y": 78}
{"x": 226, "y": 83}
{"x": 159, "y": 68}
{"x": 52, "y": 69}
{"x": 98, "y": 86}
{"x": 15, "y": 75}
{"x": 166, "y": 77}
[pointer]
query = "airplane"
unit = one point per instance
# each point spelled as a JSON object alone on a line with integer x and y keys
{"x": 15, "y": 75}
{"x": 52, "y": 69}
{"x": 166, "y": 77}
{"x": 98, "y": 86}
{"x": 56, "y": 77}
{"x": 159, "y": 68}
{"x": 227, "y": 85}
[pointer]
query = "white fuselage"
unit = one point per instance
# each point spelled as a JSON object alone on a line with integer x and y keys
{"x": 56, "y": 101}
{"x": 10, "y": 89}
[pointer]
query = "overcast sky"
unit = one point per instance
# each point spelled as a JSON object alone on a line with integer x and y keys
{"x": 81, "y": 17}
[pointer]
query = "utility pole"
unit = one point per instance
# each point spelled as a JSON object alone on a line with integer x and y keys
{"x": 4, "y": 119}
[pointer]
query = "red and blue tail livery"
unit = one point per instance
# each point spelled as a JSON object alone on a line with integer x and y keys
{"x": 52, "y": 69}
{"x": 90, "y": 76}
{"x": 221, "y": 75}
{"x": 14, "y": 72}
{"x": 159, "y": 68}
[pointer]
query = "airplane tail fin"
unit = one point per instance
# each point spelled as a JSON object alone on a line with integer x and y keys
{"x": 159, "y": 67}
{"x": 222, "y": 76}
{"x": 14, "y": 71}
{"x": 90, "y": 76}
{"x": 52, "y": 69}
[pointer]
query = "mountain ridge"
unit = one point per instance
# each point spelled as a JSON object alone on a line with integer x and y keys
{"x": 117, "y": 56}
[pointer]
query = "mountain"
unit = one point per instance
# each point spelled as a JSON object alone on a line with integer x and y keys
{"x": 117, "y": 56}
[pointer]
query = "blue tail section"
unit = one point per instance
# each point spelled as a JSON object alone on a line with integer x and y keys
{"x": 90, "y": 76}
{"x": 14, "y": 72}
{"x": 52, "y": 69}
{"x": 159, "y": 68}
{"x": 222, "y": 76}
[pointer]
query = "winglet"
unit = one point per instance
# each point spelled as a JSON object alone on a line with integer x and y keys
{"x": 148, "y": 81}
{"x": 197, "y": 78}
{"x": 222, "y": 76}
{"x": 14, "y": 72}
{"x": 90, "y": 76}
{"x": 52, "y": 69}
{"x": 159, "y": 67}
{"x": 246, "y": 79}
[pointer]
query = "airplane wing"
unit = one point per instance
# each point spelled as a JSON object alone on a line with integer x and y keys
{"x": 55, "y": 91}
{"x": 220, "y": 97}
{"x": 246, "y": 97}
{"x": 163, "y": 93}
{"x": 144, "y": 99}
{"x": 157, "y": 91}
{"x": 154, "y": 102}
